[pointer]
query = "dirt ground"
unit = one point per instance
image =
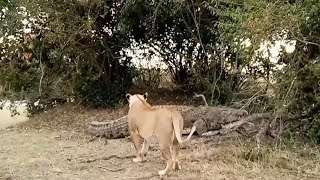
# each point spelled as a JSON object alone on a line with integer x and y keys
{"x": 32, "y": 152}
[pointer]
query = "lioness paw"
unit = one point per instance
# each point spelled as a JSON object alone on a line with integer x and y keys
{"x": 179, "y": 167}
{"x": 176, "y": 166}
{"x": 137, "y": 159}
{"x": 143, "y": 159}
{"x": 162, "y": 174}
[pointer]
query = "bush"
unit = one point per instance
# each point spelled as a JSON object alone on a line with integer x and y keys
{"x": 105, "y": 92}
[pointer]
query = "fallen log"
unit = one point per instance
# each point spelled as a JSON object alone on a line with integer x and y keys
{"x": 235, "y": 125}
{"x": 205, "y": 118}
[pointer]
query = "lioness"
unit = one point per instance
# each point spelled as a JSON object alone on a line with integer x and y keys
{"x": 164, "y": 124}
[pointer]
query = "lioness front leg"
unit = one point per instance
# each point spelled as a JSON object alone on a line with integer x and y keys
{"x": 144, "y": 150}
{"x": 136, "y": 140}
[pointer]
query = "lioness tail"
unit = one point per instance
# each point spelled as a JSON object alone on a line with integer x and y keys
{"x": 177, "y": 130}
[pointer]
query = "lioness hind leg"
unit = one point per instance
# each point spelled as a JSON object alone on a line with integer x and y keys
{"x": 136, "y": 140}
{"x": 165, "y": 150}
{"x": 175, "y": 155}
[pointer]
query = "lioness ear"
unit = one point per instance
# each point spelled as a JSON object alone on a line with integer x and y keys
{"x": 128, "y": 96}
{"x": 145, "y": 95}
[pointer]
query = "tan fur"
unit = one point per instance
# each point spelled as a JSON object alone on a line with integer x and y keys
{"x": 147, "y": 123}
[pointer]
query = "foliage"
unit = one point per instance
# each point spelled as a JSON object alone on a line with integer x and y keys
{"x": 299, "y": 86}
{"x": 76, "y": 52}
{"x": 185, "y": 34}
{"x": 148, "y": 78}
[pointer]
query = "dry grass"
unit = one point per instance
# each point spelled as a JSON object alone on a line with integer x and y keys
{"x": 54, "y": 146}
{"x": 69, "y": 117}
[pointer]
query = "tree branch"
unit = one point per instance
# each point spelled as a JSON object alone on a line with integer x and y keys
{"x": 202, "y": 96}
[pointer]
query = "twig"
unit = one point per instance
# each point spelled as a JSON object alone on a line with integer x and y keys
{"x": 93, "y": 138}
{"x": 306, "y": 42}
{"x": 42, "y": 71}
{"x": 107, "y": 158}
{"x": 290, "y": 88}
{"x": 112, "y": 170}
{"x": 184, "y": 178}
{"x": 141, "y": 177}
{"x": 211, "y": 133}
{"x": 280, "y": 128}
{"x": 263, "y": 130}
{"x": 242, "y": 133}
{"x": 202, "y": 96}
{"x": 253, "y": 97}
{"x": 155, "y": 15}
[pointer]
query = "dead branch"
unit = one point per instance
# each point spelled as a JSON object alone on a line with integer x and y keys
{"x": 107, "y": 158}
{"x": 242, "y": 132}
{"x": 203, "y": 98}
{"x": 142, "y": 177}
{"x": 307, "y": 42}
{"x": 262, "y": 132}
{"x": 234, "y": 125}
{"x": 93, "y": 138}
{"x": 111, "y": 170}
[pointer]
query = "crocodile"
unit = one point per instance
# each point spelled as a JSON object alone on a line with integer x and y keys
{"x": 205, "y": 118}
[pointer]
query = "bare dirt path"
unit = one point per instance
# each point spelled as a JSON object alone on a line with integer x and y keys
{"x": 64, "y": 155}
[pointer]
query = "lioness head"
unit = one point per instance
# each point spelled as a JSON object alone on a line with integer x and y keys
{"x": 136, "y": 97}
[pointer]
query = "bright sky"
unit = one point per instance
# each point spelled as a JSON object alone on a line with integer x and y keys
{"x": 267, "y": 49}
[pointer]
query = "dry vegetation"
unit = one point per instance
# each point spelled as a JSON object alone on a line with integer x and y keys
{"x": 54, "y": 145}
